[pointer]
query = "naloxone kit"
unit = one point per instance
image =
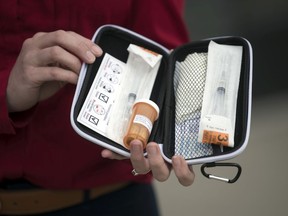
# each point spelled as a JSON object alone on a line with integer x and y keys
{"x": 194, "y": 101}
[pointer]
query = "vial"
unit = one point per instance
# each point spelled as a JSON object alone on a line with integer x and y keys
{"x": 144, "y": 113}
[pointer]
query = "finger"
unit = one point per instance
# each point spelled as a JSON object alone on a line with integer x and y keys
{"x": 183, "y": 172}
{"x": 111, "y": 155}
{"x": 45, "y": 74}
{"x": 139, "y": 162}
{"x": 58, "y": 55}
{"x": 157, "y": 164}
{"x": 39, "y": 34}
{"x": 94, "y": 47}
{"x": 84, "y": 48}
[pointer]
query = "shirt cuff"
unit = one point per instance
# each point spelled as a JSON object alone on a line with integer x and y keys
{"x": 10, "y": 121}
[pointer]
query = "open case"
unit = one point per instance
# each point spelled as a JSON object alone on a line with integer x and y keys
{"x": 115, "y": 40}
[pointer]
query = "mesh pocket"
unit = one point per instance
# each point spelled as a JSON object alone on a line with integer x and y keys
{"x": 189, "y": 83}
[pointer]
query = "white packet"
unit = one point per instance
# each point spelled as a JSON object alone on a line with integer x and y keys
{"x": 138, "y": 81}
{"x": 218, "y": 113}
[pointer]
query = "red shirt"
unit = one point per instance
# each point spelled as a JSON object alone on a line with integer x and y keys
{"x": 40, "y": 144}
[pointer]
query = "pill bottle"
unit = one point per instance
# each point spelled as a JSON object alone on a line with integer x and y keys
{"x": 144, "y": 113}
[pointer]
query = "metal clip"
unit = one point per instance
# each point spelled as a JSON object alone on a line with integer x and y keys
{"x": 209, "y": 165}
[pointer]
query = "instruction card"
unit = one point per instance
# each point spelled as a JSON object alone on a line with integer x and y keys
{"x": 96, "y": 109}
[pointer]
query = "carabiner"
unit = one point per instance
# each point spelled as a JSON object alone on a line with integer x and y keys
{"x": 209, "y": 165}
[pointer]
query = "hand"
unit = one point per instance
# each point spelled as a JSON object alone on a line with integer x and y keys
{"x": 45, "y": 64}
{"x": 155, "y": 162}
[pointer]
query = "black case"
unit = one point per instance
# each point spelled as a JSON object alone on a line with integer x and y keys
{"x": 115, "y": 40}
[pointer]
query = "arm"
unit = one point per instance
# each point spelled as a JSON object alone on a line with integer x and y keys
{"x": 45, "y": 64}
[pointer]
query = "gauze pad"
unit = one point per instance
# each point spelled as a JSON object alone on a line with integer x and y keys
{"x": 218, "y": 113}
{"x": 189, "y": 81}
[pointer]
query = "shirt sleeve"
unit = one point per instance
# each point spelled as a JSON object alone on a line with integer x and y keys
{"x": 10, "y": 121}
{"x": 161, "y": 20}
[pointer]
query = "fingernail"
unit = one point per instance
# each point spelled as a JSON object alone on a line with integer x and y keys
{"x": 136, "y": 146}
{"x": 90, "y": 56}
{"x": 176, "y": 161}
{"x": 152, "y": 150}
{"x": 136, "y": 142}
{"x": 96, "y": 50}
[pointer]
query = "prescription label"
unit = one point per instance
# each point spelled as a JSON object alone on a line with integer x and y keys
{"x": 216, "y": 129}
{"x": 143, "y": 120}
{"x": 214, "y": 137}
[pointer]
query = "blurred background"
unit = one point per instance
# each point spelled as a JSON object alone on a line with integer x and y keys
{"x": 263, "y": 186}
